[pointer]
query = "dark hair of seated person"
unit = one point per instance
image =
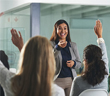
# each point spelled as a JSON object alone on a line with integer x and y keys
{"x": 95, "y": 71}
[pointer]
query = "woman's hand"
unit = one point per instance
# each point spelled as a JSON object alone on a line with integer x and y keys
{"x": 62, "y": 44}
{"x": 70, "y": 63}
{"x": 17, "y": 39}
{"x": 98, "y": 29}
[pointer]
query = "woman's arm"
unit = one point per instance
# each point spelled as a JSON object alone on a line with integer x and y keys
{"x": 56, "y": 55}
{"x": 76, "y": 53}
{"x": 98, "y": 31}
{"x": 102, "y": 45}
{"x": 5, "y": 74}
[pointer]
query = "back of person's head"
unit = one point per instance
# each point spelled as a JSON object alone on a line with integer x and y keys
{"x": 95, "y": 66}
{"x": 54, "y": 34}
{"x": 36, "y": 71}
{"x": 4, "y": 59}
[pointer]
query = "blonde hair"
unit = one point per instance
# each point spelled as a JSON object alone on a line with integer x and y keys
{"x": 37, "y": 68}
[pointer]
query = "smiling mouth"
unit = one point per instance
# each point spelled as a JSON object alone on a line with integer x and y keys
{"x": 63, "y": 34}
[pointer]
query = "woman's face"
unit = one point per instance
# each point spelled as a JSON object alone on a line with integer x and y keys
{"x": 62, "y": 31}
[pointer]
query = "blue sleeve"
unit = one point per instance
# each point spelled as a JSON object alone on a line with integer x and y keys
{"x": 74, "y": 64}
{"x": 57, "y": 47}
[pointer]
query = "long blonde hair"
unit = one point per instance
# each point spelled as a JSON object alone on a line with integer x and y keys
{"x": 37, "y": 68}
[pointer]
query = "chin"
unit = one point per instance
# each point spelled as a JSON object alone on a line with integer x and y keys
{"x": 63, "y": 37}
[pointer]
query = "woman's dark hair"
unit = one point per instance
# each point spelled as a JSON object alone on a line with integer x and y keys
{"x": 95, "y": 70}
{"x": 54, "y": 34}
{"x": 4, "y": 59}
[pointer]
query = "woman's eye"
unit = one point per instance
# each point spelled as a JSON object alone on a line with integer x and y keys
{"x": 65, "y": 28}
{"x": 59, "y": 28}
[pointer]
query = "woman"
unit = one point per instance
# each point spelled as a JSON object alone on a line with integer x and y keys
{"x": 4, "y": 59}
{"x": 66, "y": 55}
{"x": 36, "y": 71}
{"x": 95, "y": 75}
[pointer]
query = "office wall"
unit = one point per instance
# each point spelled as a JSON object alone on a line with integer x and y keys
{"x": 82, "y": 36}
{"x": 20, "y": 23}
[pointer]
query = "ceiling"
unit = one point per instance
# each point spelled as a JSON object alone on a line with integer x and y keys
{"x": 70, "y": 10}
{"x": 75, "y": 10}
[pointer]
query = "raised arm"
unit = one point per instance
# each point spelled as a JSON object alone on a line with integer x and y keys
{"x": 101, "y": 43}
{"x": 17, "y": 39}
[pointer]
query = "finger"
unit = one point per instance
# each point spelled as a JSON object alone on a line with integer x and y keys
{"x": 61, "y": 41}
{"x": 68, "y": 62}
{"x": 20, "y": 34}
{"x": 98, "y": 23}
{"x": 69, "y": 65}
{"x": 94, "y": 28}
{"x": 12, "y": 32}
{"x": 15, "y": 34}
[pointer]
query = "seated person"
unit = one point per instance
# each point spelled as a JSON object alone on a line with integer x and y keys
{"x": 36, "y": 70}
{"x": 95, "y": 75}
{"x": 4, "y": 59}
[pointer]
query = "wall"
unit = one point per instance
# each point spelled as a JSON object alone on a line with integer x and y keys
{"x": 20, "y": 23}
{"x": 82, "y": 37}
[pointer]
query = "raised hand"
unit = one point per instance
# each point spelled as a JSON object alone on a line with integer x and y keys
{"x": 17, "y": 39}
{"x": 98, "y": 29}
{"x": 62, "y": 44}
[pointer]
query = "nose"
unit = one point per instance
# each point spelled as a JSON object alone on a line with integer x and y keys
{"x": 63, "y": 30}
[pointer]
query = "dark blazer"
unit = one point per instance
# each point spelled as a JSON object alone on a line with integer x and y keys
{"x": 58, "y": 57}
{"x": 4, "y": 59}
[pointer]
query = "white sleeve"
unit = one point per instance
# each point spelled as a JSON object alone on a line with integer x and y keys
{"x": 57, "y": 91}
{"x": 100, "y": 40}
{"x": 4, "y": 74}
{"x": 102, "y": 45}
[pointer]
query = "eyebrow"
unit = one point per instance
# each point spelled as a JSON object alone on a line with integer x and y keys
{"x": 60, "y": 26}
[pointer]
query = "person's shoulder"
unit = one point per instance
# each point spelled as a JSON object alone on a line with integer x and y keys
{"x": 52, "y": 42}
{"x": 78, "y": 78}
{"x": 72, "y": 43}
{"x": 57, "y": 91}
